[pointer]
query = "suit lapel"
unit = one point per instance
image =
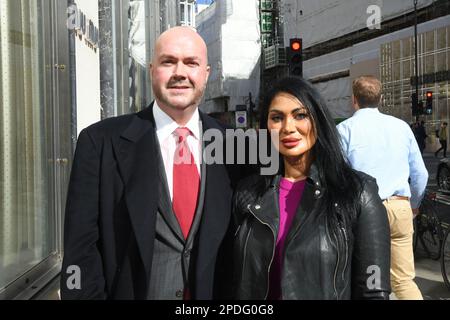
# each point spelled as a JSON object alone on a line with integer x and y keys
{"x": 135, "y": 152}
{"x": 216, "y": 208}
{"x": 165, "y": 204}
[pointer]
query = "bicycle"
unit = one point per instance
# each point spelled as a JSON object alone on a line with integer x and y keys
{"x": 445, "y": 258}
{"x": 427, "y": 228}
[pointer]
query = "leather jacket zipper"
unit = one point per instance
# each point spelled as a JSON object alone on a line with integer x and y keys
{"x": 346, "y": 251}
{"x": 338, "y": 260}
{"x": 335, "y": 271}
{"x": 273, "y": 251}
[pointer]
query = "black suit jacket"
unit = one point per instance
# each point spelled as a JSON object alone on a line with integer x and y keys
{"x": 111, "y": 212}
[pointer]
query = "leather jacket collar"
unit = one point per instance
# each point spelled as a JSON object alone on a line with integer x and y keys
{"x": 266, "y": 208}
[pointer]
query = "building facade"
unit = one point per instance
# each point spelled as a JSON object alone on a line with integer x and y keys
{"x": 231, "y": 31}
{"x": 374, "y": 37}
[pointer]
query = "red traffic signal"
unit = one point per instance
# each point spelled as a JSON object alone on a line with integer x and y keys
{"x": 295, "y": 58}
{"x": 296, "y": 44}
{"x": 429, "y": 94}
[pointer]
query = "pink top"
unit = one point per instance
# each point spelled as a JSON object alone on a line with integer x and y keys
{"x": 290, "y": 196}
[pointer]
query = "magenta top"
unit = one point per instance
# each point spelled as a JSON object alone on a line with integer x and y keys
{"x": 290, "y": 196}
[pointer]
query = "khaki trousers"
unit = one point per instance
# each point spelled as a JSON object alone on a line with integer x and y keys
{"x": 402, "y": 256}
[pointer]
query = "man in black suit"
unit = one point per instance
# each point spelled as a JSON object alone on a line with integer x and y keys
{"x": 140, "y": 223}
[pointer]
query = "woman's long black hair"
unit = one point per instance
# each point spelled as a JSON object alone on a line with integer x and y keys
{"x": 341, "y": 184}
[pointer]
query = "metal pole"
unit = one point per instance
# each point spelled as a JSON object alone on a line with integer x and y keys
{"x": 416, "y": 57}
{"x": 250, "y": 107}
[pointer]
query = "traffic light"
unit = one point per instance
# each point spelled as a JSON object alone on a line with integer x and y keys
{"x": 295, "y": 58}
{"x": 429, "y": 102}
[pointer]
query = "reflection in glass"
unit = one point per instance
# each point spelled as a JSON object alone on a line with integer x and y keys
{"x": 406, "y": 47}
{"x": 138, "y": 56}
{"x": 441, "y": 38}
{"x": 429, "y": 41}
{"x": 396, "y": 50}
{"x": 429, "y": 63}
{"x": 434, "y": 56}
{"x": 407, "y": 74}
{"x": 441, "y": 61}
{"x": 26, "y": 222}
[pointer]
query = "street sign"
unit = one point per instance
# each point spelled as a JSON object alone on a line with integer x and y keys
{"x": 241, "y": 119}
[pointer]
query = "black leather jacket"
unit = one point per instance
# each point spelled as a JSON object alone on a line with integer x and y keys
{"x": 314, "y": 266}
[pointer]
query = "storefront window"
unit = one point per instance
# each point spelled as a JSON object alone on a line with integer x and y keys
{"x": 26, "y": 213}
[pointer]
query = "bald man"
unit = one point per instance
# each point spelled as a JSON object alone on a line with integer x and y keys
{"x": 145, "y": 216}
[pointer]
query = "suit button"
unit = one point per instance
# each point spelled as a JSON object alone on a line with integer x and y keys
{"x": 187, "y": 253}
{"x": 179, "y": 294}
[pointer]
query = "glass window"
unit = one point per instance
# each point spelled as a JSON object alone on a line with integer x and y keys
{"x": 190, "y": 15}
{"x": 396, "y": 50}
{"x": 182, "y": 13}
{"x": 448, "y": 36}
{"x": 441, "y": 107}
{"x": 429, "y": 41}
{"x": 441, "y": 61}
{"x": 441, "y": 38}
{"x": 407, "y": 73}
{"x": 396, "y": 70}
{"x": 407, "y": 47}
{"x": 267, "y": 4}
{"x": 448, "y": 59}
{"x": 429, "y": 63}
{"x": 136, "y": 75}
{"x": 27, "y": 227}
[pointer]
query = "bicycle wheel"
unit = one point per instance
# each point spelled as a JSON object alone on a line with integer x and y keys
{"x": 445, "y": 258}
{"x": 429, "y": 230}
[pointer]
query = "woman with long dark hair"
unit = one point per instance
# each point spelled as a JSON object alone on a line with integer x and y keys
{"x": 316, "y": 230}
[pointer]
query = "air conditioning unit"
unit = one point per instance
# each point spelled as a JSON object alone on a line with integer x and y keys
{"x": 274, "y": 56}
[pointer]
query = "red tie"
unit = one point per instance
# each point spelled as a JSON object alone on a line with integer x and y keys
{"x": 186, "y": 181}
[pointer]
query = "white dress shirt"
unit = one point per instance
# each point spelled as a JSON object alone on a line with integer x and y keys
{"x": 165, "y": 127}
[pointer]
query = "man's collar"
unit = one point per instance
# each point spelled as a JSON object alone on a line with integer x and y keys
{"x": 165, "y": 125}
{"x": 366, "y": 110}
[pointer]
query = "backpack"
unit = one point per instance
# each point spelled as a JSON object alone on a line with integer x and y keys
{"x": 437, "y": 133}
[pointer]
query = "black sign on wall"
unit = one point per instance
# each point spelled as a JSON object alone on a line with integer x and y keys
{"x": 431, "y": 77}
